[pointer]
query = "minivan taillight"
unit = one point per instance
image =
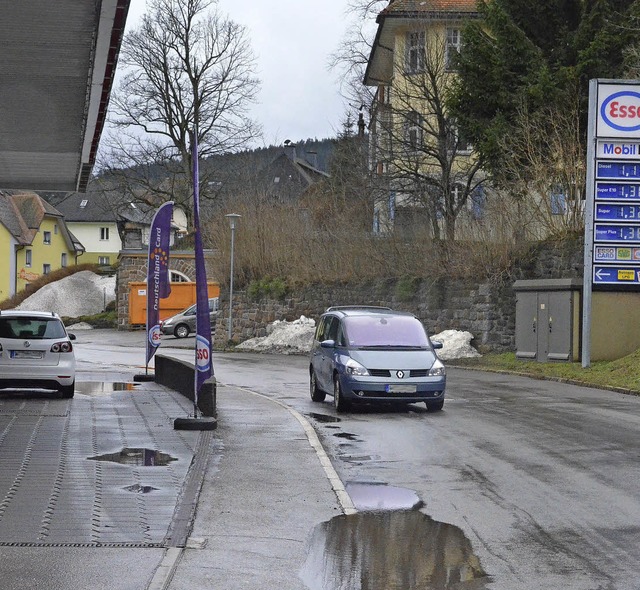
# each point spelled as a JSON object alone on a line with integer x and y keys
{"x": 62, "y": 347}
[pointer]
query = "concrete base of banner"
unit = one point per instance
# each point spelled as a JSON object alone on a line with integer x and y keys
{"x": 144, "y": 377}
{"x": 180, "y": 376}
{"x": 202, "y": 423}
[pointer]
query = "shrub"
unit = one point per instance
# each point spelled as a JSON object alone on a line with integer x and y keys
{"x": 406, "y": 288}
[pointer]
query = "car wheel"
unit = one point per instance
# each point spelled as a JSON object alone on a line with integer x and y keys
{"x": 339, "y": 403}
{"x": 181, "y": 331}
{"x": 68, "y": 390}
{"x": 317, "y": 395}
{"x": 435, "y": 406}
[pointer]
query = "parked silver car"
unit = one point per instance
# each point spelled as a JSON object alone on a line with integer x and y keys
{"x": 184, "y": 323}
{"x": 36, "y": 352}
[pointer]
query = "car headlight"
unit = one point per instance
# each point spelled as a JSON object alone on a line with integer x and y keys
{"x": 437, "y": 370}
{"x": 354, "y": 368}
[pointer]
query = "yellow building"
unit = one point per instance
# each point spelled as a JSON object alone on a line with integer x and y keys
{"x": 433, "y": 179}
{"x": 34, "y": 240}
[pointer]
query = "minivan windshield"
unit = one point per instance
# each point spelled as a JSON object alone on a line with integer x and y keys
{"x": 383, "y": 331}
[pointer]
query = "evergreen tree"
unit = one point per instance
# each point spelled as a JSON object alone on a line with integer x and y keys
{"x": 534, "y": 56}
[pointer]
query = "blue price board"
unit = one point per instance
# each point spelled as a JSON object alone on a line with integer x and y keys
{"x": 621, "y": 170}
{"x": 617, "y": 212}
{"x": 610, "y": 232}
{"x": 616, "y": 275}
{"x": 617, "y": 191}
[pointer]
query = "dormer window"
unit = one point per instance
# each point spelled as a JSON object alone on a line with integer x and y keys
{"x": 415, "y": 54}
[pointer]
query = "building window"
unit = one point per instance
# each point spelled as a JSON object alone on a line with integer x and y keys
{"x": 47, "y": 237}
{"x": 55, "y": 229}
{"x": 178, "y": 277}
{"x": 415, "y": 57}
{"x": 104, "y": 233}
{"x": 452, "y": 48}
{"x": 456, "y": 141}
{"x": 558, "y": 202}
{"x": 27, "y": 257}
{"x": 413, "y": 130}
{"x": 103, "y": 260}
{"x": 46, "y": 269}
{"x": 477, "y": 203}
{"x": 83, "y": 203}
{"x": 63, "y": 260}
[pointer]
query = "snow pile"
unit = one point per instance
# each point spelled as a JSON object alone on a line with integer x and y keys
{"x": 296, "y": 338}
{"x": 80, "y": 326}
{"x": 82, "y": 293}
{"x": 455, "y": 345}
{"x": 284, "y": 337}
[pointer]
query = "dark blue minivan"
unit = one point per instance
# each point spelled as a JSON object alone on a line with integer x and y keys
{"x": 374, "y": 354}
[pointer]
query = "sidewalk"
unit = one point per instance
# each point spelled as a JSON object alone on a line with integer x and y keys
{"x": 264, "y": 492}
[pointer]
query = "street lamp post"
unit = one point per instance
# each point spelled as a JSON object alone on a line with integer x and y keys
{"x": 233, "y": 217}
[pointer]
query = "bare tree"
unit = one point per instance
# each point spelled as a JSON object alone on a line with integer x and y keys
{"x": 350, "y": 59}
{"x": 546, "y": 175}
{"x": 187, "y": 67}
{"x": 429, "y": 165}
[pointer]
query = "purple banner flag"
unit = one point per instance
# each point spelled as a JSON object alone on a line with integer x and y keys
{"x": 204, "y": 364}
{"x": 158, "y": 285}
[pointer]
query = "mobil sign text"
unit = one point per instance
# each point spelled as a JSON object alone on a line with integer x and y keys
{"x": 619, "y": 114}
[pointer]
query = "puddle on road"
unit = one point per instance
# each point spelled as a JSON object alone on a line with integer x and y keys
{"x": 137, "y": 457}
{"x": 324, "y": 417}
{"x": 390, "y": 548}
{"x": 346, "y": 435}
{"x": 103, "y": 387}
{"x": 375, "y": 496}
{"x": 138, "y": 489}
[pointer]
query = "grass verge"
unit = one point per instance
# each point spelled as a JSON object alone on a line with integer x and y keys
{"x": 619, "y": 375}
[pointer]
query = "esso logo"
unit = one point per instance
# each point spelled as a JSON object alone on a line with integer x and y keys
{"x": 155, "y": 336}
{"x": 621, "y": 111}
{"x": 203, "y": 354}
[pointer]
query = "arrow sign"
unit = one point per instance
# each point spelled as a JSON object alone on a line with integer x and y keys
{"x": 616, "y": 275}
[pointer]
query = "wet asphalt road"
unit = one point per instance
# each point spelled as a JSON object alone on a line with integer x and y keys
{"x": 541, "y": 478}
{"x": 533, "y": 483}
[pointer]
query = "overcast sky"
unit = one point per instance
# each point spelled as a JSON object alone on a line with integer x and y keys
{"x": 292, "y": 41}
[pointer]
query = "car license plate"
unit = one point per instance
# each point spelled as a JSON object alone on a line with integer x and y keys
{"x": 26, "y": 354}
{"x": 401, "y": 388}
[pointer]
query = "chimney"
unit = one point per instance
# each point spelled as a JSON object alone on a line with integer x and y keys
{"x": 360, "y": 125}
{"x": 290, "y": 149}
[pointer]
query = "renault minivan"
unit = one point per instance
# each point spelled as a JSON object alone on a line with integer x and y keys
{"x": 373, "y": 355}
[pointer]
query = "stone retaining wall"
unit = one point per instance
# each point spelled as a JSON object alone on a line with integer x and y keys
{"x": 486, "y": 309}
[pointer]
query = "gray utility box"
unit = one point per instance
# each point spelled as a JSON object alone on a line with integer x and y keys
{"x": 548, "y": 319}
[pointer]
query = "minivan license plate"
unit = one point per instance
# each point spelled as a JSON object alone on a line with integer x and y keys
{"x": 401, "y": 388}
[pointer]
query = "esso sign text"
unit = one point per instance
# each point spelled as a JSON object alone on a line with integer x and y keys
{"x": 621, "y": 111}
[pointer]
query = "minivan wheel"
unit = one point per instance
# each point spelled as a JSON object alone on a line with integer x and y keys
{"x": 435, "y": 406}
{"x": 181, "y": 331}
{"x": 340, "y": 404}
{"x": 317, "y": 395}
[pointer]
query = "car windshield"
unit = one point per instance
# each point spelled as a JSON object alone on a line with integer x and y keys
{"x": 31, "y": 328}
{"x": 365, "y": 331}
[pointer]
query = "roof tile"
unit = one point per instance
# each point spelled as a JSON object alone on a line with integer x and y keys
{"x": 411, "y": 6}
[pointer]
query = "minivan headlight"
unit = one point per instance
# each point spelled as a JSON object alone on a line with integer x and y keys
{"x": 355, "y": 368}
{"x": 437, "y": 370}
